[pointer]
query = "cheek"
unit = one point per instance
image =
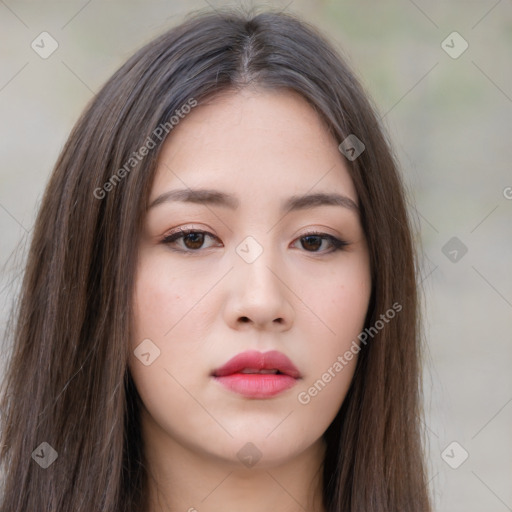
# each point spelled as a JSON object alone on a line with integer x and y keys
{"x": 163, "y": 299}
{"x": 341, "y": 303}
{"x": 339, "y": 300}
{"x": 169, "y": 312}
{"x": 165, "y": 312}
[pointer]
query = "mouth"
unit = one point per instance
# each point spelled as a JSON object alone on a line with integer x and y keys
{"x": 255, "y": 374}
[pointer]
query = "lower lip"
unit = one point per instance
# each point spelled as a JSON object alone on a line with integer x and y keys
{"x": 257, "y": 385}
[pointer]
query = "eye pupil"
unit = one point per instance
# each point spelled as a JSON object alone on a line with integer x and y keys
{"x": 317, "y": 241}
{"x": 196, "y": 238}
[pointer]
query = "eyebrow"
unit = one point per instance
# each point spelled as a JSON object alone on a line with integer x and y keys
{"x": 217, "y": 198}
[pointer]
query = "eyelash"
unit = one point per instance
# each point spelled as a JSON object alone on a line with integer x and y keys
{"x": 336, "y": 243}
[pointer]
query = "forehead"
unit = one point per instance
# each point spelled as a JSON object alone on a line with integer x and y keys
{"x": 253, "y": 142}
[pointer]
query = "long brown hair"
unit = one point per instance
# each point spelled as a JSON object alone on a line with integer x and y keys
{"x": 68, "y": 382}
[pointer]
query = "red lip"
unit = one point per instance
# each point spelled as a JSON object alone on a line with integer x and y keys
{"x": 252, "y": 359}
{"x": 258, "y": 385}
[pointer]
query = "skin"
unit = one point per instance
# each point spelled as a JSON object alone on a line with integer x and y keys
{"x": 298, "y": 297}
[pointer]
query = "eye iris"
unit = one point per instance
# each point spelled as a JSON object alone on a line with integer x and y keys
{"x": 317, "y": 241}
{"x": 196, "y": 238}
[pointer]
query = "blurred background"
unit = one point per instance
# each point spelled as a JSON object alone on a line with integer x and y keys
{"x": 440, "y": 74}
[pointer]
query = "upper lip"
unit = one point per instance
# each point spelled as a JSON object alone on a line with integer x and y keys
{"x": 252, "y": 359}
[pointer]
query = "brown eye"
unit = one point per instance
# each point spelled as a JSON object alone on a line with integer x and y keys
{"x": 192, "y": 240}
{"x": 312, "y": 242}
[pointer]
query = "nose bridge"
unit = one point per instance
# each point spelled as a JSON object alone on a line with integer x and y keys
{"x": 255, "y": 260}
{"x": 259, "y": 293}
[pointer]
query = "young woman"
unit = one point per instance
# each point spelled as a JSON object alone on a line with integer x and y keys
{"x": 219, "y": 309}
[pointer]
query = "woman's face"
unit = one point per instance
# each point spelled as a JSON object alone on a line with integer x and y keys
{"x": 248, "y": 280}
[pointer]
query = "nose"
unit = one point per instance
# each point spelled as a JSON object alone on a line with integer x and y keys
{"x": 259, "y": 295}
